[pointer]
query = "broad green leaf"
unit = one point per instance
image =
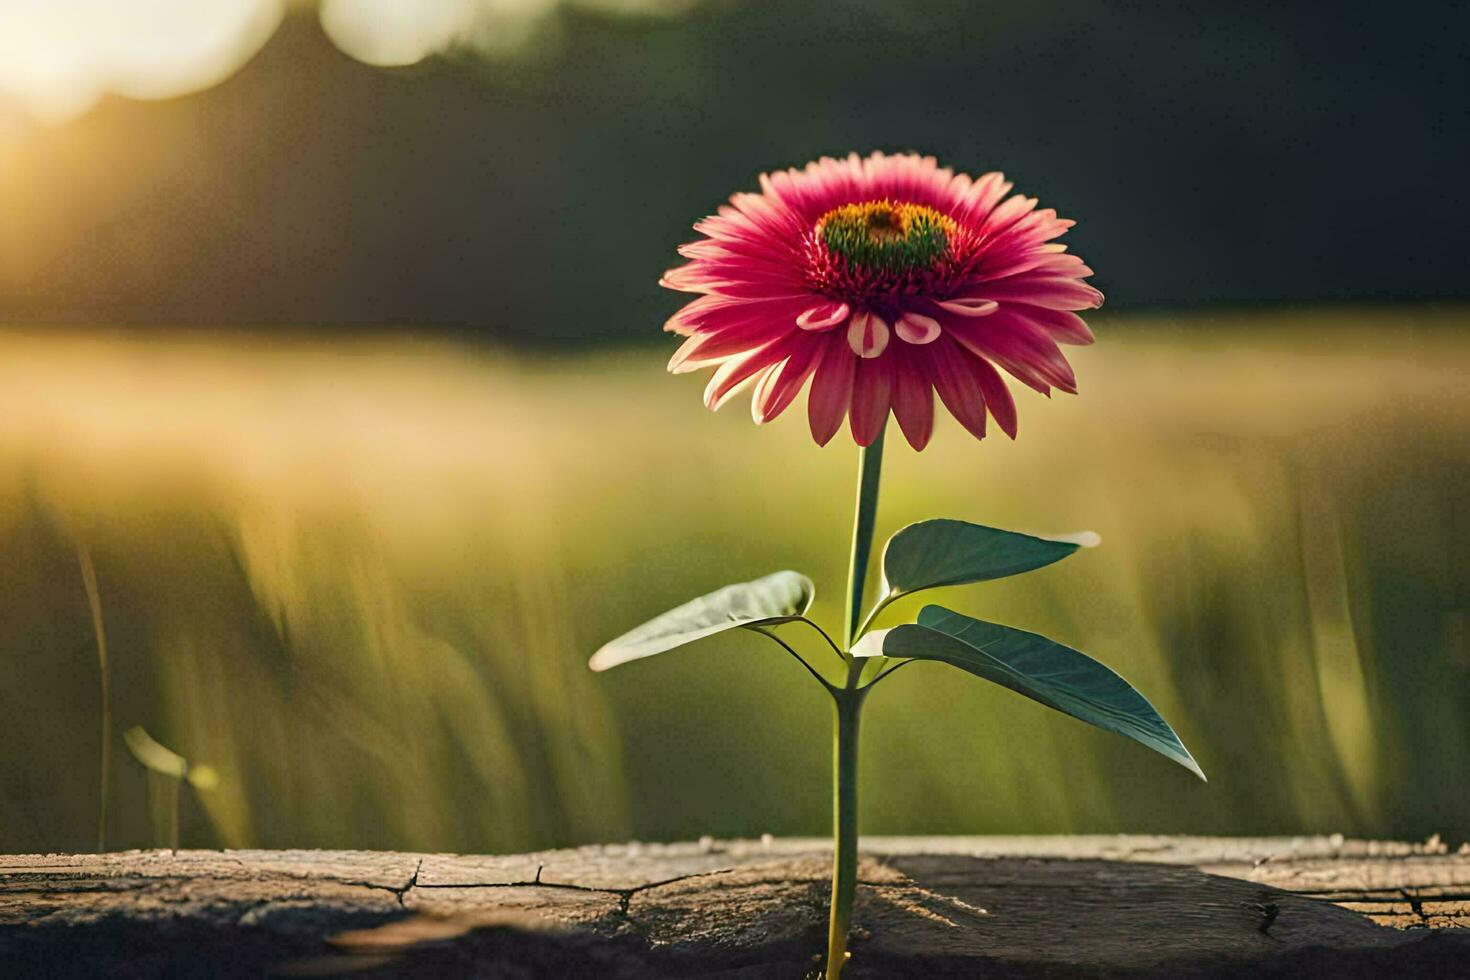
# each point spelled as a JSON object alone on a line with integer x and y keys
{"x": 945, "y": 552}
{"x": 1041, "y": 669}
{"x": 778, "y": 598}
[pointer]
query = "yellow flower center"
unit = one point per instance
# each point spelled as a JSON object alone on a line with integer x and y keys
{"x": 886, "y": 235}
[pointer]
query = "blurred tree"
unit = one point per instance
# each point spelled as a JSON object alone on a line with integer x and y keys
{"x": 1271, "y": 153}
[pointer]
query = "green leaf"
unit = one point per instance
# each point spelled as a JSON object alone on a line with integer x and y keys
{"x": 152, "y": 755}
{"x": 945, "y": 552}
{"x": 165, "y": 761}
{"x": 1041, "y": 669}
{"x": 778, "y": 598}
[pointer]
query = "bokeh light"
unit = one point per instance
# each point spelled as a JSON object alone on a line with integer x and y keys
{"x": 391, "y": 33}
{"x": 58, "y": 58}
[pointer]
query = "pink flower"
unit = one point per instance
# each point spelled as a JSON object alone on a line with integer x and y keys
{"x": 881, "y": 281}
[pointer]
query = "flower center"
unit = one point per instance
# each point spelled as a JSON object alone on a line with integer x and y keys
{"x": 886, "y": 236}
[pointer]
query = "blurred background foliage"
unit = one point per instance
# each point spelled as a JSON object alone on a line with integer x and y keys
{"x": 329, "y": 335}
{"x": 362, "y": 581}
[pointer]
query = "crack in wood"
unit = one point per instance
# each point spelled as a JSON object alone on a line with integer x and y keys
{"x": 939, "y": 906}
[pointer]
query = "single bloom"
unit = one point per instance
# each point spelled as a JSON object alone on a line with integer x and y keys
{"x": 881, "y": 281}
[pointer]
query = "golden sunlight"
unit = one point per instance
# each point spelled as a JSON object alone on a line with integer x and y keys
{"x": 57, "y": 59}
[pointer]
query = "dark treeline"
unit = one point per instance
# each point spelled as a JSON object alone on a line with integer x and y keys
{"x": 1214, "y": 153}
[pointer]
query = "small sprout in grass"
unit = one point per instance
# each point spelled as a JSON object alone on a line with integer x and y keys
{"x": 171, "y": 770}
{"x": 104, "y": 682}
{"x": 883, "y": 281}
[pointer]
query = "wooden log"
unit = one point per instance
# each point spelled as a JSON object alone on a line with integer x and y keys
{"x": 930, "y": 907}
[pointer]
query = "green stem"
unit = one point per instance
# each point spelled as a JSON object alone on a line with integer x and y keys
{"x": 848, "y": 704}
{"x": 870, "y": 467}
{"x": 94, "y": 602}
{"x": 175, "y": 785}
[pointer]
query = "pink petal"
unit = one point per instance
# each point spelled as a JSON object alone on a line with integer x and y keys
{"x": 1064, "y": 327}
{"x": 969, "y": 306}
{"x": 1051, "y": 292}
{"x": 761, "y": 391}
{"x": 872, "y": 394}
{"x": 1011, "y": 210}
{"x": 983, "y": 195}
{"x": 915, "y": 328}
{"x": 1063, "y": 265}
{"x": 1029, "y": 231}
{"x": 824, "y": 316}
{"x": 704, "y": 348}
{"x": 913, "y": 403}
{"x": 689, "y": 279}
{"x": 997, "y": 396}
{"x": 691, "y": 313}
{"x": 831, "y": 392}
{"x": 957, "y": 386}
{"x": 728, "y": 286}
{"x": 731, "y": 375}
{"x": 775, "y": 274}
{"x": 1002, "y": 261}
{"x": 686, "y": 358}
{"x": 1018, "y": 345}
{"x": 868, "y": 334}
{"x": 780, "y": 385}
{"x": 711, "y": 313}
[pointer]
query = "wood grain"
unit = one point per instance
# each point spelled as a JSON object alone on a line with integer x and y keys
{"x": 949, "y": 906}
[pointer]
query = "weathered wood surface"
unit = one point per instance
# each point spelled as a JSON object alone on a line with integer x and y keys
{"x": 953, "y": 906}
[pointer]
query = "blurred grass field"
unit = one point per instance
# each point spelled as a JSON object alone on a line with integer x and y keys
{"x": 362, "y": 579}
